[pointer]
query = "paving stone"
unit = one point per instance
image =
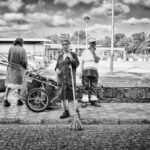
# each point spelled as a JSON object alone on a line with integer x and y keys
{"x": 107, "y": 111}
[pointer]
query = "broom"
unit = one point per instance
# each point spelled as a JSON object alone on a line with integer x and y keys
{"x": 76, "y": 123}
{"x": 12, "y": 65}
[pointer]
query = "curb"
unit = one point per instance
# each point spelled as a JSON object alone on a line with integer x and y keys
{"x": 85, "y": 121}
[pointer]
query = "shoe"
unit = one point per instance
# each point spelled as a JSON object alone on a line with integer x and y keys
{"x": 6, "y": 103}
{"x": 95, "y": 103}
{"x": 93, "y": 98}
{"x": 19, "y": 102}
{"x": 65, "y": 114}
{"x": 85, "y": 98}
{"x": 84, "y": 105}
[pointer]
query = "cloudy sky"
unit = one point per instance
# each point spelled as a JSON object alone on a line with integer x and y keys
{"x": 39, "y": 18}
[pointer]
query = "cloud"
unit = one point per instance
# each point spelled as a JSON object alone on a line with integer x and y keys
{"x": 49, "y": 19}
{"x": 13, "y": 16}
{"x": 2, "y": 22}
{"x": 101, "y": 10}
{"x": 59, "y": 20}
{"x": 67, "y": 12}
{"x": 106, "y": 9}
{"x": 131, "y": 1}
{"x": 35, "y": 7}
{"x": 145, "y": 3}
{"x": 37, "y": 17}
{"x": 72, "y": 3}
{"x": 31, "y": 7}
{"x": 134, "y": 21}
{"x": 4, "y": 28}
{"x": 121, "y": 9}
{"x": 24, "y": 27}
{"x": 14, "y": 22}
{"x": 13, "y": 5}
{"x": 99, "y": 28}
{"x": 15, "y": 27}
{"x": 99, "y": 31}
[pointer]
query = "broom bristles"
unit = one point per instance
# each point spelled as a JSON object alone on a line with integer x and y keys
{"x": 76, "y": 123}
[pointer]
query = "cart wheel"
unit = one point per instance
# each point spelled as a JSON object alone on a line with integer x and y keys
{"x": 37, "y": 100}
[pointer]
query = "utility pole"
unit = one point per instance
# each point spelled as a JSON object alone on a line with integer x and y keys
{"x": 78, "y": 41}
{"x": 112, "y": 38}
{"x": 86, "y": 19}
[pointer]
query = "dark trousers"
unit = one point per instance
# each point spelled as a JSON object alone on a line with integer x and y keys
{"x": 89, "y": 82}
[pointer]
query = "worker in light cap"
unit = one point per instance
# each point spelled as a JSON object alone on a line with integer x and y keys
{"x": 89, "y": 70}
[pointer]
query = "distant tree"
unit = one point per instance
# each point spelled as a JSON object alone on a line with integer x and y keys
{"x": 141, "y": 42}
{"x": 64, "y": 36}
{"x": 54, "y": 38}
{"x": 131, "y": 48}
{"x": 75, "y": 37}
{"x": 106, "y": 42}
{"x": 98, "y": 42}
{"x": 118, "y": 37}
{"x": 124, "y": 42}
{"x": 82, "y": 37}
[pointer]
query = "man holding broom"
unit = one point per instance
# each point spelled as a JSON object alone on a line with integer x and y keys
{"x": 65, "y": 59}
{"x": 66, "y": 70}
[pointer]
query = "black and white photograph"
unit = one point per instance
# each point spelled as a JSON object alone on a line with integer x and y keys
{"x": 74, "y": 74}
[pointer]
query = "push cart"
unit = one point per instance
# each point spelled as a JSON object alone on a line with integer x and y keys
{"x": 38, "y": 92}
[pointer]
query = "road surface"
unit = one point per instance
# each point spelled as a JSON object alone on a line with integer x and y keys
{"x": 47, "y": 137}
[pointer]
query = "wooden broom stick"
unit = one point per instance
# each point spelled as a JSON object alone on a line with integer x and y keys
{"x": 76, "y": 123}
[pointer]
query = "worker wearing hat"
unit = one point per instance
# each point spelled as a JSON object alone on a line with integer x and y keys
{"x": 89, "y": 70}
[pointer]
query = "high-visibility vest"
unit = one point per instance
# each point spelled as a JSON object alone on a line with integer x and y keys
{"x": 89, "y": 62}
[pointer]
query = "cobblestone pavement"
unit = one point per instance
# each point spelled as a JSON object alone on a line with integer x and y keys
{"x": 108, "y": 113}
{"x": 48, "y": 137}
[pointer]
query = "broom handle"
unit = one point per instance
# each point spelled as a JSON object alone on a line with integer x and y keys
{"x": 73, "y": 87}
{"x": 12, "y": 65}
{"x": 9, "y": 65}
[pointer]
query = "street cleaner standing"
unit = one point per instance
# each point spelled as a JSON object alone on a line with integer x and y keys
{"x": 17, "y": 58}
{"x": 65, "y": 59}
{"x": 89, "y": 71}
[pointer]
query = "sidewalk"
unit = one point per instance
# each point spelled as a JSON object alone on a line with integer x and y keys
{"x": 108, "y": 113}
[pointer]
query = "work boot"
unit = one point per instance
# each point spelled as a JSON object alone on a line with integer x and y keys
{"x": 65, "y": 114}
{"x": 19, "y": 102}
{"x": 6, "y": 103}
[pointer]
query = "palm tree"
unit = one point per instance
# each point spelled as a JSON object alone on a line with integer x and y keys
{"x": 54, "y": 38}
{"x": 141, "y": 42}
{"x": 82, "y": 36}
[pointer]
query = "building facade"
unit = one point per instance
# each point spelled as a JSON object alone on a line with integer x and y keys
{"x": 32, "y": 45}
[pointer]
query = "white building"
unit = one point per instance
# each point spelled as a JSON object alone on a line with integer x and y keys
{"x": 45, "y": 47}
{"x": 32, "y": 45}
{"x": 52, "y": 50}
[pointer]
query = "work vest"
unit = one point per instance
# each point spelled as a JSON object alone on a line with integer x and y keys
{"x": 89, "y": 62}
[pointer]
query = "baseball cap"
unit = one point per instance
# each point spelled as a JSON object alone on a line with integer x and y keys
{"x": 92, "y": 41}
{"x": 65, "y": 40}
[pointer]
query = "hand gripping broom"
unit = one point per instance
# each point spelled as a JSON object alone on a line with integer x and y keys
{"x": 76, "y": 123}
